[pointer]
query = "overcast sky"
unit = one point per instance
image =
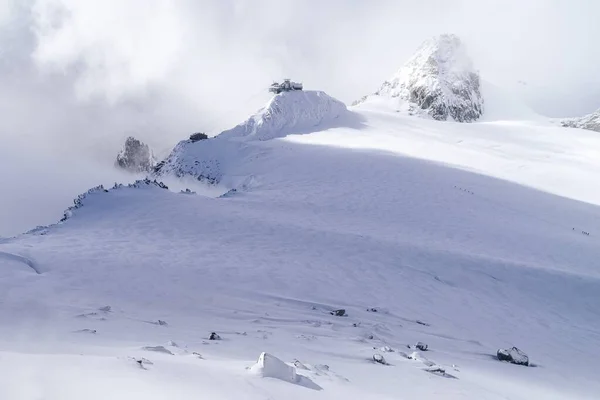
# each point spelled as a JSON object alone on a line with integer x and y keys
{"x": 78, "y": 76}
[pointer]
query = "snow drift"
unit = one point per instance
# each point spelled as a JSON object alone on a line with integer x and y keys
{"x": 269, "y": 366}
{"x": 439, "y": 80}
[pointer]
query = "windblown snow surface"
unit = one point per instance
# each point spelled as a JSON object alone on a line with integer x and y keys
{"x": 467, "y": 237}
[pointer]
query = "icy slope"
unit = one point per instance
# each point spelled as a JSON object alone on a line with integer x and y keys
{"x": 590, "y": 121}
{"x": 461, "y": 261}
{"x": 439, "y": 80}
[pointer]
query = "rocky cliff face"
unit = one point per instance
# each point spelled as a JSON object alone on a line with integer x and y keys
{"x": 439, "y": 80}
{"x": 135, "y": 156}
{"x": 590, "y": 121}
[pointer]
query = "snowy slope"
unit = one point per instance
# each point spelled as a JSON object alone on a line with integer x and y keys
{"x": 439, "y": 80}
{"x": 401, "y": 214}
{"x": 296, "y": 112}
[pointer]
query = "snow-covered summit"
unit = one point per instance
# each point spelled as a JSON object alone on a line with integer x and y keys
{"x": 438, "y": 80}
{"x": 289, "y": 112}
{"x": 293, "y": 112}
{"x": 590, "y": 121}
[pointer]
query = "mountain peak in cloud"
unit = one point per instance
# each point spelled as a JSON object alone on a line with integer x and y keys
{"x": 439, "y": 80}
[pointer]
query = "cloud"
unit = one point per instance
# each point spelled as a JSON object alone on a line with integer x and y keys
{"x": 78, "y": 76}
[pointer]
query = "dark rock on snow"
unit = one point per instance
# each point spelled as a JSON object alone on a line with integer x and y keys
{"x": 214, "y": 336}
{"x": 513, "y": 356}
{"x": 198, "y": 136}
{"x": 421, "y": 346}
{"x": 378, "y": 358}
{"x": 339, "y": 313}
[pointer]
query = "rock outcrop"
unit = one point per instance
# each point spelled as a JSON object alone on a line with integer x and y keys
{"x": 513, "y": 356}
{"x": 135, "y": 156}
{"x": 590, "y": 121}
{"x": 439, "y": 80}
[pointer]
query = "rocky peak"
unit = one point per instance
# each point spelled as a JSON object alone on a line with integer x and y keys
{"x": 135, "y": 156}
{"x": 438, "y": 80}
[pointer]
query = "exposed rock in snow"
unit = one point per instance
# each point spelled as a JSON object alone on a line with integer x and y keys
{"x": 378, "y": 358}
{"x": 135, "y": 156}
{"x": 290, "y": 112}
{"x": 339, "y": 313}
{"x": 421, "y": 346}
{"x": 514, "y": 356}
{"x": 590, "y": 121}
{"x": 438, "y": 80}
{"x": 272, "y": 367}
{"x": 195, "y": 137}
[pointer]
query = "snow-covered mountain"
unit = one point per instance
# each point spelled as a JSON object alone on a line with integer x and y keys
{"x": 290, "y": 112}
{"x": 439, "y": 80}
{"x": 590, "y": 121}
{"x": 295, "y": 112}
{"x": 336, "y": 241}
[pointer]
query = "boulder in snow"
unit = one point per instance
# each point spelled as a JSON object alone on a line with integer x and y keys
{"x": 339, "y": 313}
{"x": 269, "y": 366}
{"x": 378, "y": 358}
{"x": 214, "y": 336}
{"x": 513, "y": 356}
{"x": 421, "y": 346}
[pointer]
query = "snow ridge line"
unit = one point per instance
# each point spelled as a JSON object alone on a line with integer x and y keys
{"x": 79, "y": 201}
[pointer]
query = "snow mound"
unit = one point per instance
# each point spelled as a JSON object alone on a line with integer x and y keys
{"x": 590, "y": 121}
{"x": 287, "y": 113}
{"x": 269, "y": 366}
{"x": 438, "y": 80}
